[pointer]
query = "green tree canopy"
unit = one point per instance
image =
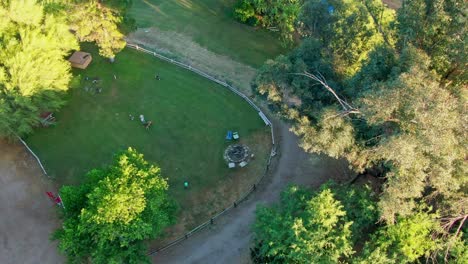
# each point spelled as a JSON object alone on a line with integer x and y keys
{"x": 439, "y": 27}
{"x": 274, "y": 14}
{"x": 35, "y": 40}
{"x": 108, "y": 217}
{"x": 303, "y": 228}
{"x": 95, "y": 22}
{"x": 33, "y": 71}
{"x": 392, "y": 101}
{"x": 405, "y": 242}
{"x": 392, "y": 111}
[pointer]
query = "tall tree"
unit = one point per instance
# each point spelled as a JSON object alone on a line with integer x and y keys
{"x": 303, "y": 228}
{"x": 400, "y": 114}
{"x": 439, "y": 27}
{"x": 108, "y": 217}
{"x": 281, "y": 15}
{"x": 33, "y": 71}
{"x": 95, "y": 22}
{"x": 405, "y": 242}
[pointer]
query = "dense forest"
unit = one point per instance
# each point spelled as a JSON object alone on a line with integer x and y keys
{"x": 385, "y": 90}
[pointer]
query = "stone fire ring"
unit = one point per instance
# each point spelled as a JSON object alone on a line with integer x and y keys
{"x": 236, "y": 153}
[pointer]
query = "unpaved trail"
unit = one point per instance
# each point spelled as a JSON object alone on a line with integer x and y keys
{"x": 27, "y": 216}
{"x": 228, "y": 240}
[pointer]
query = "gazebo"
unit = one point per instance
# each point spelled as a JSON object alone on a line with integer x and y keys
{"x": 80, "y": 59}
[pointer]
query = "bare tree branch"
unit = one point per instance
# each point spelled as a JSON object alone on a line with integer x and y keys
{"x": 347, "y": 108}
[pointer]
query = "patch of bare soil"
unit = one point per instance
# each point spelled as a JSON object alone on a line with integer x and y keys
{"x": 28, "y": 217}
{"x": 232, "y": 187}
{"x": 184, "y": 49}
{"x": 393, "y": 4}
{"x": 228, "y": 239}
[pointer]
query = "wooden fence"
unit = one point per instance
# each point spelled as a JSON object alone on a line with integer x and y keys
{"x": 252, "y": 104}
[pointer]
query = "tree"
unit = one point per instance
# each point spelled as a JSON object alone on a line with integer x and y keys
{"x": 420, "y": 155}
{"x": 279, "y": 14}
{"x": 108, "y": 217}
{"x": 94, "y": 22}
{"x": 33, "y": 71}
{"x": 405, "y": 242}
{"x": 426, "y": 153}
{"x": 439, "y": 27}
{"x": 394, "y": 109}
{"x": 360, "y": 204}
{"x": 303, "y": 228}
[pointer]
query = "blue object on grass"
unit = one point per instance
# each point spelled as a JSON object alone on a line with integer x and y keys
{"x": 229, "y": 135}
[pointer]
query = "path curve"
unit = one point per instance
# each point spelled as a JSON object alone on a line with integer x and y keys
{"x": 228, "y": 240}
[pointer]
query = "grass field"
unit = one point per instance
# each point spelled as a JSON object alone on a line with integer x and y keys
{"x": 209, "y": 23}
{"x": 191, "y": 116}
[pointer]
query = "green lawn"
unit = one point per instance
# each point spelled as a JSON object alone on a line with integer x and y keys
{"x": 210, "y": 23}
{"x": 191, "y": 116}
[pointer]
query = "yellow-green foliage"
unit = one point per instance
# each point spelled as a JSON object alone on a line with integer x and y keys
{"x": 333, "y": 133}
{"x": 404, "y": 242}
{"x": 33, "y": 68}
{"x": 94, "y": 22}
{"x": 109, "y": 216}
{"x": 303, "y": 228}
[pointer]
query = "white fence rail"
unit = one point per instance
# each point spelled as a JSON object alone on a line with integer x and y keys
{"x": 34, "y": 155}
{"x": 234, "y": 90}
{"x": 206, "y": 75}
{"x": 251, "y": 103}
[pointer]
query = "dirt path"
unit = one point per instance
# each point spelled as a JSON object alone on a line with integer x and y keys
{"x": 228, "y": 240}
{"x": 27, "y": 215}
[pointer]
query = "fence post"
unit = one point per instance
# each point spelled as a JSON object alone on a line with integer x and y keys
{"x": 232, "y": 89}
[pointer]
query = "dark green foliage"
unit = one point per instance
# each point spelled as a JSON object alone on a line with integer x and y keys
{"x": 107, "y": 218}
{"x": 127, "y": 23}
{"x": 439, "y": 27}
{"x": 245, "y": 13}
{"x": 323, "y": 226}
{"x": 405, "y": 242}
{"x": 404, "y": 81}
{"x": 280, "y": 15}
{"x": 360, "y": 204}
{"x": 314, "y": 227}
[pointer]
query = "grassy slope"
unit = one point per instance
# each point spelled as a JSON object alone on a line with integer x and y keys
{"x": 191, "y": 116}
{"x": 210, "y": 24}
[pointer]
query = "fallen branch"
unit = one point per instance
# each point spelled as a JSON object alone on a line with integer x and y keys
{"x": 347, "y": 108}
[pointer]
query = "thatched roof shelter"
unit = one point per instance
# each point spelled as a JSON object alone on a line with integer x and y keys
{"x": 80, "y": 59}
